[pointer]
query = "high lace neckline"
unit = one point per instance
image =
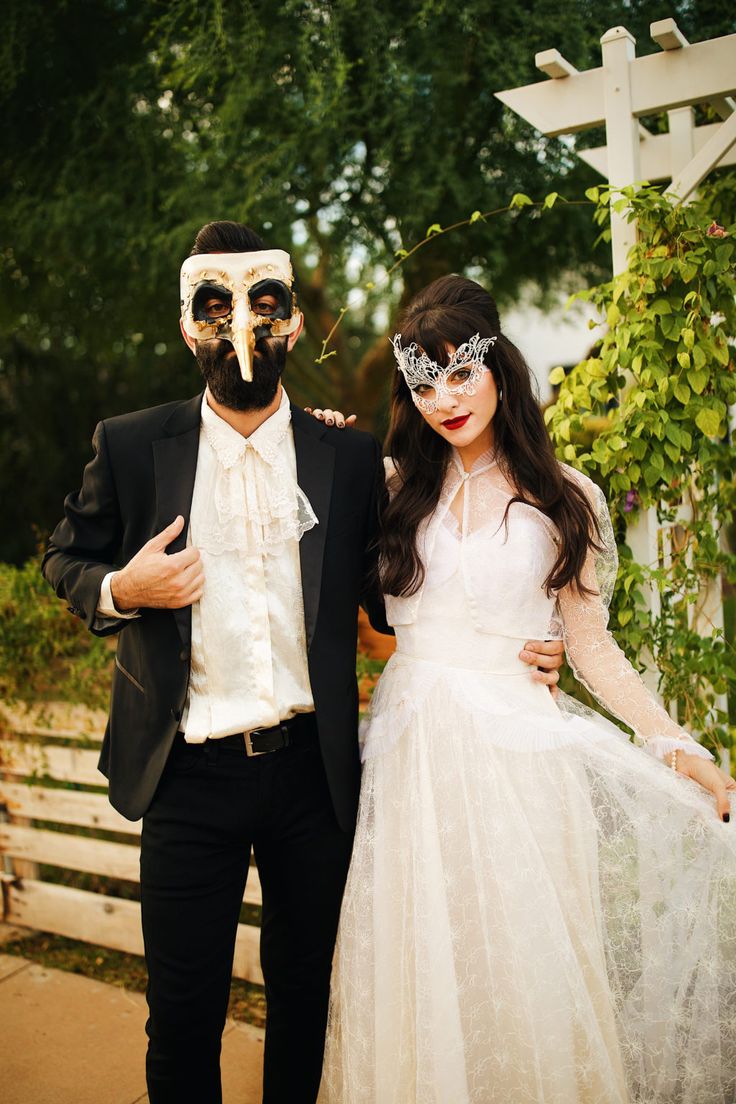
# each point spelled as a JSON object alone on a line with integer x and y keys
{"x": 486, "y": 460}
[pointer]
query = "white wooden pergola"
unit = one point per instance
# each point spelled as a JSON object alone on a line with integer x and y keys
{"x": 617, "y": 94}
{"x": 625, "y": 88}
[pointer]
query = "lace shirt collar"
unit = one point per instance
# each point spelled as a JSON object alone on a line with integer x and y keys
{"x": 230, "y": 446}
{"x": 254, "y": 503}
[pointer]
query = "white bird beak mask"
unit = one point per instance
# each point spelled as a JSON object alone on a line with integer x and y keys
{"x": 240, "y": 298}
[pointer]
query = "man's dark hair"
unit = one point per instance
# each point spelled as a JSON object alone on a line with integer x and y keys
{"x": 226, "y": 237}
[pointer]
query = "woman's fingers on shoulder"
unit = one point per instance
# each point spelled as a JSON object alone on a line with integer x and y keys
{"x": 331, "y": 417}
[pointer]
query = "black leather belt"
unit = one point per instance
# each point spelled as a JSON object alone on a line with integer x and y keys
{"x": 297, "y": 731}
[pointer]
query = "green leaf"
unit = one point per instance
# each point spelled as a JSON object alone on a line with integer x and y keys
{"x": 556, "y": 376}
{"x": 592, "y": 194}
{"x": 401, "y": 253}
{"x": 624, "y": 616}
{"x": 661, "y": 306}
{"x": 518, "y": 199}
{"x": 699, "y": 357}
{"x": 688, "y": 338}
{"x": 435, "y": 228}
{"x": 551, "y": 199}
{"x": 682, "y": 393}
{"x": 673, "y": 432}
{"x": 709, "y": 421}
{"x": 720, "y": 352}
{"x": 683, "y": 359}
{"x": 697, "y": 380}
{"x": 476, "y": 215}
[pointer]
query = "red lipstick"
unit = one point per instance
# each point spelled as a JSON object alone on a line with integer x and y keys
{"x": 456, "y": 423}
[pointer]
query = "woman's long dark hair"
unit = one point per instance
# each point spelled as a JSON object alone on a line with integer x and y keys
{"x": 448, "y": 313}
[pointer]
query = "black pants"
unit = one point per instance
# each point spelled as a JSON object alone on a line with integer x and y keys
{"x": 213, "y": 804}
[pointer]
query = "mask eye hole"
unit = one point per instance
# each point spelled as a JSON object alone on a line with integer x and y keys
{"x": 211, "y": 303}
{"x": 271, "y": 299}
{"x": 459, "y": 378}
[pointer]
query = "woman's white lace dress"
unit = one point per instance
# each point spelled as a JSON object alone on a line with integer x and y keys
{"x": 537, "y": 911}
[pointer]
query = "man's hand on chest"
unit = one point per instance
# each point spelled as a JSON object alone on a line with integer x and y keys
{"x": 155, "y": 580}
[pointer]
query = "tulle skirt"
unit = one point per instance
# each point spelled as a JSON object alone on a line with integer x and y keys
{"x": 537, "y": 912}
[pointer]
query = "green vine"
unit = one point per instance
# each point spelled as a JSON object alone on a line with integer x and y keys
{"x": 657, "y": 388}
{"x": 517, "y": 202}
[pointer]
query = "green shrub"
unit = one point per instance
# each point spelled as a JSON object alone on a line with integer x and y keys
{"x": 45, "y": 652}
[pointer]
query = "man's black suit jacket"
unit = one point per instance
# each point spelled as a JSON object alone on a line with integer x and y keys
{"x": 140, "y": 477}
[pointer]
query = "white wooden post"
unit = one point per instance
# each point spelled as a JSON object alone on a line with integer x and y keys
{"x": 622, "y": 133}
{"x": 618, "y": 50}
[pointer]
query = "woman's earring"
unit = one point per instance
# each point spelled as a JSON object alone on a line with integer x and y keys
{"x": 500, "y": 393}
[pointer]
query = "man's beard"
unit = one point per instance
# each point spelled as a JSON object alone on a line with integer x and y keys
{"x": 222, "y": 372}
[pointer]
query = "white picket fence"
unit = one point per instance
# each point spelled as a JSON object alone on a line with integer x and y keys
{"x": 31, "y": 755}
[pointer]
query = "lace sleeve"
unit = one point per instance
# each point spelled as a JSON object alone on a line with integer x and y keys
{"x": 596, "y": 659}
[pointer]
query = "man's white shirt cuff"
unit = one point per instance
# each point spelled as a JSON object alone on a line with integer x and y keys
{"x": 106, "y": 606}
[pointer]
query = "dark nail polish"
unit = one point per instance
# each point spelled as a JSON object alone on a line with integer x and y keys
{"x": 726, "y": 818}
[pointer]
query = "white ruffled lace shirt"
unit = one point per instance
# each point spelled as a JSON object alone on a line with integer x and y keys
{"x": 249, "y": 654}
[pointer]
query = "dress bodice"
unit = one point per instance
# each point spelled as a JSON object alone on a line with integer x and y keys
{"x": 445, "y": 627}
{"x": 501, "y": 558}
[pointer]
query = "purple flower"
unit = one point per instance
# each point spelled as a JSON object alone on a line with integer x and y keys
{"x": 632, "y": 500}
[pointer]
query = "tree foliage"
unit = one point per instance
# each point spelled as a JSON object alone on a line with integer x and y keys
{"x": 340, "y": 130}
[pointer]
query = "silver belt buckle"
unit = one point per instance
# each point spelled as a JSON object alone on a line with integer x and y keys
{"x": 249, "y": 749}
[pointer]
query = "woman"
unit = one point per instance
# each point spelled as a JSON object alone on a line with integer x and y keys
{"x": 537, "y": 910}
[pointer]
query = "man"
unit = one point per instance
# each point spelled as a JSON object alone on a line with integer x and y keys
{"x": 229, "y": 540}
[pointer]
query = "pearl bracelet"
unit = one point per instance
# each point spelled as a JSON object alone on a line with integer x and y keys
{"x": 673, "y": 759}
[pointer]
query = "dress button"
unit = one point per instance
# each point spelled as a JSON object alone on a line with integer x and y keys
{"x": 183, "y": 654}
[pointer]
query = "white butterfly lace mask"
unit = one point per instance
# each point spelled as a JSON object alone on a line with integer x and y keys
{"x": 428, "y": 381}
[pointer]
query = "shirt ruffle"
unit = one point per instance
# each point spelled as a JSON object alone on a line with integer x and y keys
{"x": 257, "y": 504}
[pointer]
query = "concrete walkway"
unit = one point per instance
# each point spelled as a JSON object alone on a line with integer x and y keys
{"x": 68, "y": 1039}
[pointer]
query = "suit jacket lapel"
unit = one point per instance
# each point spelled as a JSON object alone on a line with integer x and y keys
{"x": 175, "y": 465}
{"x": 315, "y": 464}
